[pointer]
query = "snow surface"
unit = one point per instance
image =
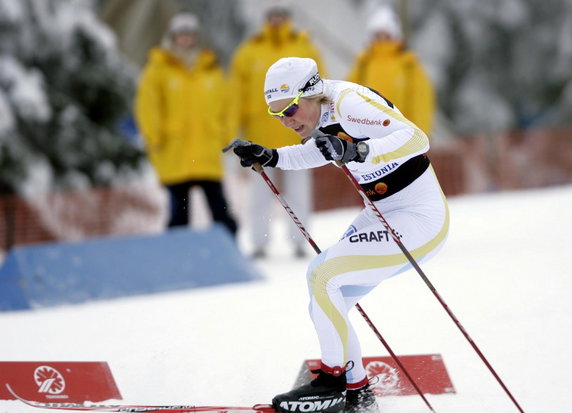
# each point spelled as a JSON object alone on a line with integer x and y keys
{"x": 504, "y": 272}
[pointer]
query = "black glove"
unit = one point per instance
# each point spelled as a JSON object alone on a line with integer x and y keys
{"x": 336, "y": 149}
{"x": 250, "y": 153}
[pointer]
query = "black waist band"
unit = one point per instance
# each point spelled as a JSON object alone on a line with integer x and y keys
{"x": 398, "y": 179}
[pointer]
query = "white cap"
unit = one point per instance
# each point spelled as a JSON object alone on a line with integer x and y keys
{"x": 289, "y": 75}
{"x": 269, "y": 7}
{"x": 384, "y": 19}
{"x": 184, "y": 23}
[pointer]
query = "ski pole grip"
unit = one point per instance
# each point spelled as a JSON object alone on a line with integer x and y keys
{"x": 235, "y": 143}
{"x": 257, "y": 167}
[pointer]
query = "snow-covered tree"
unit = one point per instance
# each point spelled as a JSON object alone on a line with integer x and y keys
{"x": 63, "y": 90}
{"x": 498, "y": 65}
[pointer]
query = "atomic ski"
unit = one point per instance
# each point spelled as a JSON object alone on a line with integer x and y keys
{"x": 141, "y": 408}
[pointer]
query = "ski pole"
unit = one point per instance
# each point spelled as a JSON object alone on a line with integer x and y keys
{"x": 258, "y": 168}
{"x": 424, "y": 277}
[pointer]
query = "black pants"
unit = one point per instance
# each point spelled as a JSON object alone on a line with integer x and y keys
{"x": 179, "y": 201}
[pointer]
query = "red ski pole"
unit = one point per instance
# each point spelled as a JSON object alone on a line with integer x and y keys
{"x": 258, "y": 168}
{"x": 424, "y": 277}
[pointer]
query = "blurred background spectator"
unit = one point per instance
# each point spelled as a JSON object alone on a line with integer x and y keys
{"x": 179, "y": 110}
{"x": 387, "y": 66}
{"x": 249, "y": 118}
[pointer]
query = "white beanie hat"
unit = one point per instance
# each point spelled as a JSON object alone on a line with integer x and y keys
{"x": 282, "y": 7}
{"x": 184, "y": 23}
{"x": 289, "y": 75}
{"x": 384, "y": 19}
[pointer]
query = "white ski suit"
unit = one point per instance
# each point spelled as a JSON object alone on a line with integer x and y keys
{"x": 399, "y": 179}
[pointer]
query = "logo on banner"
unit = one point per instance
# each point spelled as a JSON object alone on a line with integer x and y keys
{"x": 389, "y": 382}
{"x": 49, "y": 380}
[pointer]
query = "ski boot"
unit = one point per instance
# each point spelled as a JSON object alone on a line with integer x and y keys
{"x": 326, "y": 393}
{"x": 361, "y": 400}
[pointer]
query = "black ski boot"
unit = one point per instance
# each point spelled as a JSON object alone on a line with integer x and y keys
{"x": 326, "y": 393}
{"x": 361, "y": 400}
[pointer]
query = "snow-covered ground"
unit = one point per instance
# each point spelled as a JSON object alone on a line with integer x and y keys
{"x": 505, "y": 272}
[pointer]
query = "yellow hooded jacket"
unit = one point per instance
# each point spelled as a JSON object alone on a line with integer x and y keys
{"x": 249, "y": 117}
{"x": 179, "y": 111}
{"x": 398, "y": 75}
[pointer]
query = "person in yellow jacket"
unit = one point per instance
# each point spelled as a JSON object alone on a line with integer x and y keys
{"x": 179, "y": 111}
{"x": 394, "y": 71}
{"x": 248, "y": 119}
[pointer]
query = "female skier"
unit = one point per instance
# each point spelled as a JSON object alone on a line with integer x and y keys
{"x": 348, "y": 123}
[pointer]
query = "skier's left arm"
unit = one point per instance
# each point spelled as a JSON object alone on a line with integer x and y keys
{"x": 390, "y": 136}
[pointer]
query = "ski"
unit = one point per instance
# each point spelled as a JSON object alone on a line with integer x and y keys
{"x": 142, "y": 408}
